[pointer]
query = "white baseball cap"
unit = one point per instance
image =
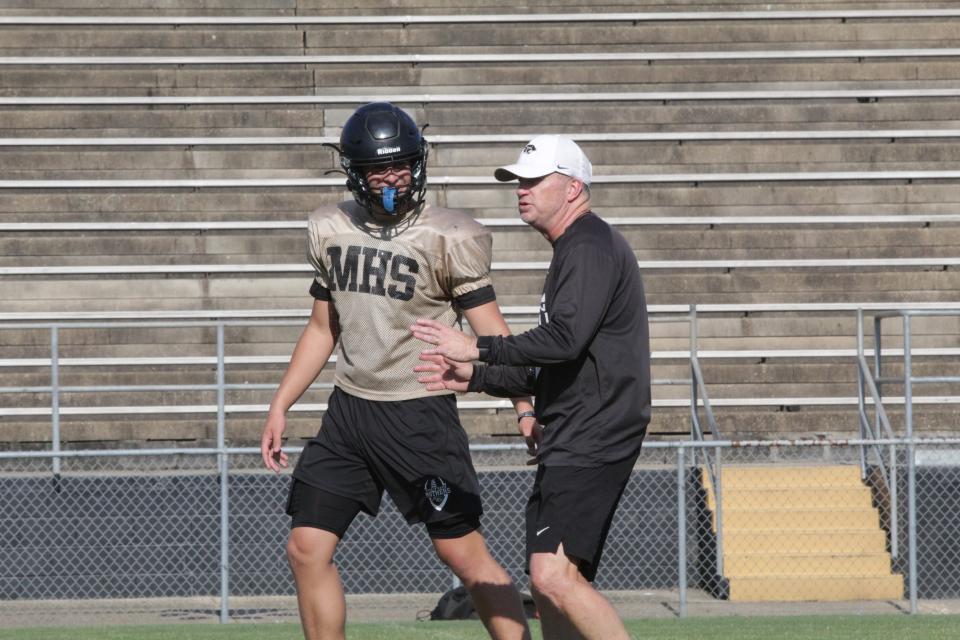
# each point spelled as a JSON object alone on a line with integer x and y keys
{"x": 545, "y": 155}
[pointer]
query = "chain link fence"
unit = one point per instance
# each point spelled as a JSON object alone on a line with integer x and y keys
{"x": 760, "y": 521}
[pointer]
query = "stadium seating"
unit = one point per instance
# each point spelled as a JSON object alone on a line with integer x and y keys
{"x": 806, "y": 155}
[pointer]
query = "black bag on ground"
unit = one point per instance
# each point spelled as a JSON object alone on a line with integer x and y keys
{"x": 456, "y": 604}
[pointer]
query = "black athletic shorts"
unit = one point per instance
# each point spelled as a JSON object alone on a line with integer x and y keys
{"x": 416, "y": 450}
{"x": 575, "y": 506}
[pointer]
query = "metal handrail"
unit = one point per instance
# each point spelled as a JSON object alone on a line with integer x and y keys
{"x": 219, "y": 386}
{"x": 874, "y": 382}
{"x": 698, "y": 394}
{"x": 865, "y": 381}
{"x": 889, "y": 472}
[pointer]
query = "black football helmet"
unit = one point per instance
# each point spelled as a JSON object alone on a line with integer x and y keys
{"x": 381, "y": 133}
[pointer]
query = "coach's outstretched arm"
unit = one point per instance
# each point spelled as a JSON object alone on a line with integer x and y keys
{"x": 584, "y": 293}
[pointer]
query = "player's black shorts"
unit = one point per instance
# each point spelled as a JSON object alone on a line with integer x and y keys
{"x": 416, "y": 450}
{"x": 575, "y": 506}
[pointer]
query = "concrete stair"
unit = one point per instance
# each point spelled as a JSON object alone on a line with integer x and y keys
{"x": 801, "y": 533}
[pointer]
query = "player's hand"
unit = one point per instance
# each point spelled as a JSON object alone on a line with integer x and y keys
{"x": 440, "y": 373}
{"x": 447, "y": 341}
{"x": 532, "y": 432}
{"x": 271, "y": 442}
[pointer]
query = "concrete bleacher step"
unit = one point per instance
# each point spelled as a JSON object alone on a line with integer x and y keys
{"x": 252, "y": 290}
{"x": 610, "y": 158}
{"x": 158, "y": 206}
{"x": 842, "y": 496}
{"x": 686, "y": 198}
{"x": 804, "y": 565}
{"x": 375, "y": 7}
{"x": 785, "y": 524}
{"x": 285, "y": 203}
{"x": 800, "y": 420}
{"x": 285, "y": 246}
{"x": 133, "y": 81}
{"x": 816, "y": 588}
{"x": 444, "y": 118}
{"x": 282, "y": 120}
{"x": 765, "y": 477}
{"x": 477, "y": 76}
{"x": 243, "y": 429}
{"x": 800, "y": 541}
{"x": 227, "y": 39}
{"x": 789, "y": 517}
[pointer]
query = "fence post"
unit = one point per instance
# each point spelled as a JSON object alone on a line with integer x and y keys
{"x": 893, "y": 484}
{"x": 223, "y": 463}
{"x": 912, "y": 521}
{"x": 55, "y": 401}
{"x": 682, "y": 530}
{"x": 718, "y": 495}
{"x": 221, "y": 392}
{"x": 224, "y": 537}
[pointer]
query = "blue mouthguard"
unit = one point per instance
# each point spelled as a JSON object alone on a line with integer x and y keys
{"x": 388, "y": 194}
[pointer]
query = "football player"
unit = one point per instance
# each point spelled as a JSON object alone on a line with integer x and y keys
{"x": 382, "y": 260}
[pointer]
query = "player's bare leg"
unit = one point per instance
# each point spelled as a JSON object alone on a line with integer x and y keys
{"x": 573, "y": 608}
{"x": 493, "y": 593}
{"x": 323, "y": 609}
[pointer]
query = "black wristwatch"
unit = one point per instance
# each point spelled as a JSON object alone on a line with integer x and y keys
{"x": 526, "y": 414}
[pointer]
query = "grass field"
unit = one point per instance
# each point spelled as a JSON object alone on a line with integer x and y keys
{"x": 901, "y": 627}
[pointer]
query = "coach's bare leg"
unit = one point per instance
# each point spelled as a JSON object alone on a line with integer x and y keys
{"x": 494, "y": 595}
{"x": 553, "y": 625}
{"x": 323, "y": 609}
{"x": 579, "y": 608}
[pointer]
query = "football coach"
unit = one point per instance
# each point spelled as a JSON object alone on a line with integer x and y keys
{"x": 588, "y": 365}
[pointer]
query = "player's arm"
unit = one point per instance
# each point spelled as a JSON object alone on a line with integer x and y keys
{"x": 486, "y": 320}
{"x": 313, "y": 349}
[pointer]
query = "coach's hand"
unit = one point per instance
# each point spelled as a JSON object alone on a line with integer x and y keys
{"x": 447, "y": 341}
{"x": 441, "y": 373}
{"x": 272, "y": 440}
{"x": 532, "y": 432}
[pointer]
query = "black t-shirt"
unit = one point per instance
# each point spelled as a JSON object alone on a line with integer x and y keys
{"x": 592, "y": 351}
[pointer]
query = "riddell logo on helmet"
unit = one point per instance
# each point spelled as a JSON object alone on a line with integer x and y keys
{"x": 386, "y": 150}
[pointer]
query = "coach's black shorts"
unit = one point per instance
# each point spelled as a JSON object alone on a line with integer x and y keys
{"x": 575, "y": 506}
{"x": 416, "y": 450}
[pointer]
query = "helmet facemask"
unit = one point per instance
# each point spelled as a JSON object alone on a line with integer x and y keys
{"x": 380, "y": 135}
{"x": 388, "y": 200}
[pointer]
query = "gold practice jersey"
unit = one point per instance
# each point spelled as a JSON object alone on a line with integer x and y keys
{"x": 381, "y": 278}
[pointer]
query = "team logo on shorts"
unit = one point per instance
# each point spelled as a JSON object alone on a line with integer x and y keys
{"x": 437, "y": 492}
